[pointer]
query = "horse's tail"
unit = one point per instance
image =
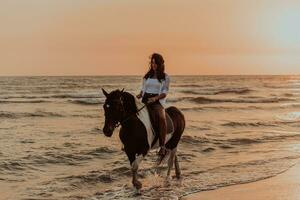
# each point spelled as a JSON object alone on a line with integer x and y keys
{"x": 179, "y": 126}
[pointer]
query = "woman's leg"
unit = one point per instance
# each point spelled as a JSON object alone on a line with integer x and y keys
{"x": 162, "y": 125}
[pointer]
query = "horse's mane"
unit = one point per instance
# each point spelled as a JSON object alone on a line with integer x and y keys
{"x": 128, "y": 100}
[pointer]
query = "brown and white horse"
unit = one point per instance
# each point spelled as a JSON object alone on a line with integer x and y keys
{"x": 120, "y": 109}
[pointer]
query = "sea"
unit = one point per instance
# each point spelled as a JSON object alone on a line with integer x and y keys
{"x": 239, "y": 129}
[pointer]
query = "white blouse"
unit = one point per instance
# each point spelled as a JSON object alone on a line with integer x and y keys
{"x": 152, "y": 85}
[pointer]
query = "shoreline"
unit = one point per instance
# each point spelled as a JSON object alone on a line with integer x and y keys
{"x": 285, "y": 185}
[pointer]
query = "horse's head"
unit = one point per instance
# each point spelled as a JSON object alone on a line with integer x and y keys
{"x": 117, "y": 106}
{"x": 113, "y": 110}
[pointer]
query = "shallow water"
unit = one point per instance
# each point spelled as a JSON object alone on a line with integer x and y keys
{"x": 239, "y": 129}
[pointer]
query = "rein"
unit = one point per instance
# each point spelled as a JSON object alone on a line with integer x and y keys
{"x": 119, "y": 123}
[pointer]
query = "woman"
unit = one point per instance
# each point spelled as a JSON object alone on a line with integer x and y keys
{"x": 154, "y": 91}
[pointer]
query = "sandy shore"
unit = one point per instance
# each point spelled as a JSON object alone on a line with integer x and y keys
{"x": 285, "y": 186}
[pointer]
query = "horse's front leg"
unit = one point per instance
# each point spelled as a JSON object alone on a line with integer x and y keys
{"x": 134, "y": 168}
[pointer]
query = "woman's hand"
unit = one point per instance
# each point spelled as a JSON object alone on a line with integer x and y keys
{"x": 152, "y": 99}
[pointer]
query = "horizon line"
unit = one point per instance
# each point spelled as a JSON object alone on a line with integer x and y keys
{"x": 143, "y": 75}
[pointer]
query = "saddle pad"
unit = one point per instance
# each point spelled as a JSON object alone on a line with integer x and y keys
{"x": 144, "y": 116}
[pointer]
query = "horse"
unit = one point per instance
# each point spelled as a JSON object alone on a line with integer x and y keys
{"x": 120, "y": 109}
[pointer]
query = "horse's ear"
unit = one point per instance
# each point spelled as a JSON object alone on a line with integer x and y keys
{"x": 104, "y": 92}
{"x": 122, "y": 90}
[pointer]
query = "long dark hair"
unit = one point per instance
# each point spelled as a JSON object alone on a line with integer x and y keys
{"x": 158, "y": 59}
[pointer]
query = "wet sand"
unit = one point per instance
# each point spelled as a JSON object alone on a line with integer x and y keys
{"x": 285, "y": 186}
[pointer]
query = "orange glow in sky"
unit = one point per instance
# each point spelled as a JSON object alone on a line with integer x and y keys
{"x": 104, "y": 37}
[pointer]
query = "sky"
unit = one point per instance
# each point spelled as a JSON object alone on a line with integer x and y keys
{"x": 116, "y": 37}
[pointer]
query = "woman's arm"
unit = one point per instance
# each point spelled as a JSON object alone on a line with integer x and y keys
{"x": 161, "y": 96}
{"x": 164, "y": 88}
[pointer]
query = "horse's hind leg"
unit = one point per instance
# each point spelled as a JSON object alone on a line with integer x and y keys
{"x": 171, "y": 162}
{"x": 177, "y": 168}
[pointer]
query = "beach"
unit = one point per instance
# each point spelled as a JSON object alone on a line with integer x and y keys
{"x": 74, "y": 74}
{"x": 285, "y": 186}
{"x": 239, "y": 129}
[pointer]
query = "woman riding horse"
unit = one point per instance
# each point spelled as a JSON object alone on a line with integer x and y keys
{"x": 120, "y": 108}
{"x": 154, "y": 91}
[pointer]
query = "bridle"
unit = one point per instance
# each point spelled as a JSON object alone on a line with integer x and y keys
{"x": 128, "y": 117}
{"x": 119, "y": 123}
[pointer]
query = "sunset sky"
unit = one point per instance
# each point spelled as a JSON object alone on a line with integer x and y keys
{"x": 116, "y": 37}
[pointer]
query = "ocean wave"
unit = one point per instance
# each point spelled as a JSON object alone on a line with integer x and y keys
{"x": 205, "y": 100}
{"x": 191, "y": 109}
{"x": 43, "y": 114}
{"x": 76, "y": 96}
{"x": 90, "y": 178}
{"x": 208, "y": 149}
{"x": 253, "y": 124}
{"x": 193, "y": 139}
{"x": 221, "y": 108}
{"x": 24, "y": 101}
{"x": 87, "y": 101}
{"x": 263, "y": 139}
{"x": 85, "y": 115}
{"x": 231, "y": 142}
{"x": 282, "y": 86}
{"x": 54, "y": 157}
{"x": 288, "y": 94}
{"x": 234, "y": 91}
{"x": 189, "y": 85}
{"x": 290, "y": 105}
{"x": 78, "y": 157}
{"x": 13, "y": 115}
{"x": 53, "y": 96}
{"x": 194, "y": 92}
{"x": 243, "y": 141}
{"x": 221, "y": 91}
{"x": 100, "y": 151}
{"x": 259, "y": 124}
{"x": 11, "y": 166}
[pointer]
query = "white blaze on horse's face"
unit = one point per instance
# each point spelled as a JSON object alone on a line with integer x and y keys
{"x": 113, "y": 109}
{"x": 110, "y": 123}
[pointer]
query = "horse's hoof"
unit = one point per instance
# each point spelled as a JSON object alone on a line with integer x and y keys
{"x": 168, "y": 178}
{"x": 137, "y": 185}
{"x": 178, "y": 177}
{"x": 137, "y": 192}
{"x": 168, "y": 181}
